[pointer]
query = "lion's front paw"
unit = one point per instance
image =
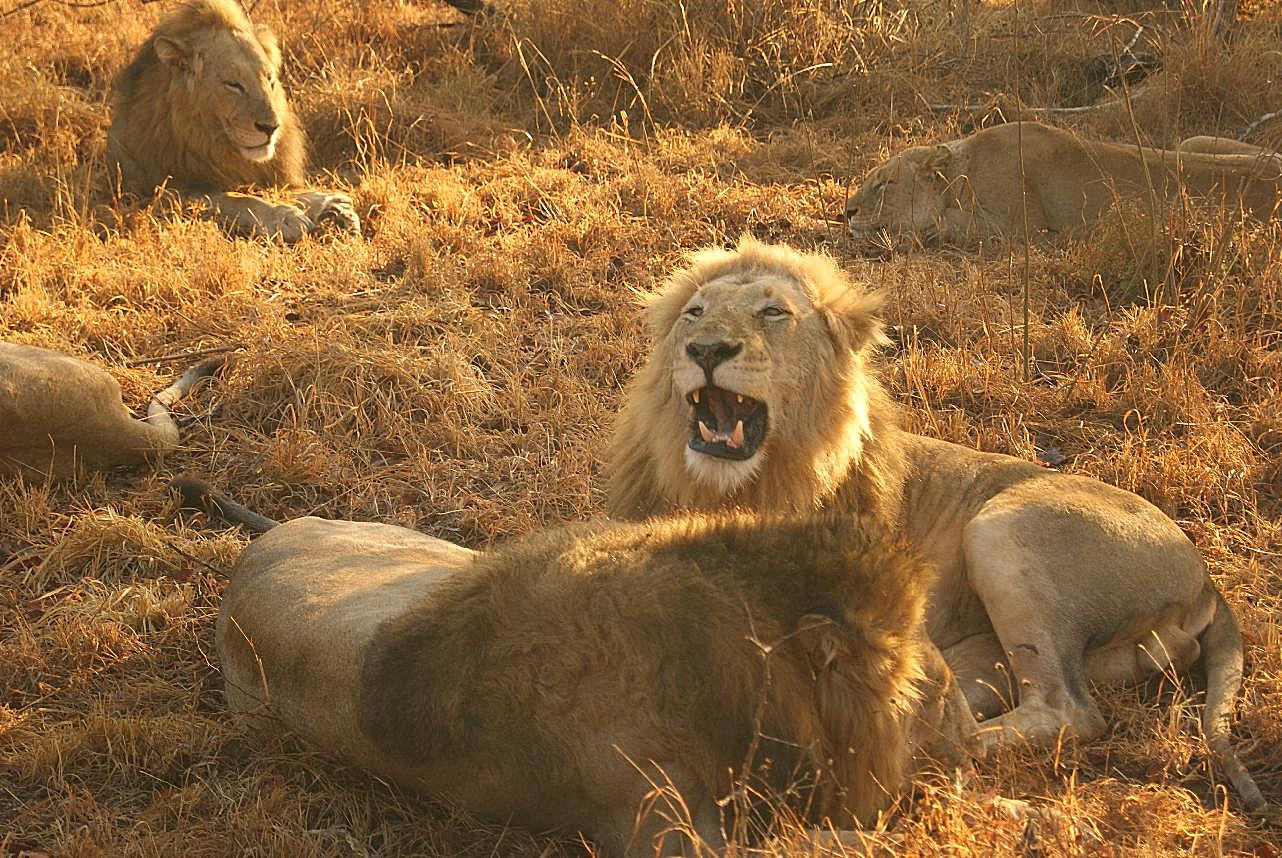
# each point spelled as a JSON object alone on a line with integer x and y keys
{"x": 331, "y": 208}
{"x": 284, "y": 222}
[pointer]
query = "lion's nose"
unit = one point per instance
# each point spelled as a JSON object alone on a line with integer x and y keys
{"x": 268, "y": 128}
{"x": 709, "y": 355}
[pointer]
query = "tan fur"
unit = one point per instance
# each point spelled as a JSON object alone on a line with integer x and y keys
{"x": 1060, "y": 579}
{"x": 552, "y": 682}
{"x": 201, "y": 111}
{"x": 969, "y": 190}
{"x": 1266, "y": 161}
{"x": 59, "y": 414}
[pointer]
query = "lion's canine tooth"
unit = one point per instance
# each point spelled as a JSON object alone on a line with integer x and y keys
{"x": 736, "y": 440}
{"x": 705, "y": 432}
{"x": 739, "y": 398}
{"x": 695, "y": 397}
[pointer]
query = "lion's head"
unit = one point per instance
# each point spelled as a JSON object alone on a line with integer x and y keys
{"x": 904, "y": 196}
{"x": 756, "y": 391}
{"x": 202, "y": 105}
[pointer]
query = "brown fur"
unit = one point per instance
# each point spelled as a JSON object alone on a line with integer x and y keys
{"x": 176, "y": 123}
{"x": 970, "y": 189}
{"x": 1058, "y": 579}
{"x": 59, "y": 414}
{"x": 550, "y": 681}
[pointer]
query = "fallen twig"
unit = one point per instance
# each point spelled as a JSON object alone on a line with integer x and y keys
{"x": 983, "y": 108}
{"x": 212, "y": 350}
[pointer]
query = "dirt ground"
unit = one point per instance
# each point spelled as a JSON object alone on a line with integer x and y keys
{"x": 457, "y": 368}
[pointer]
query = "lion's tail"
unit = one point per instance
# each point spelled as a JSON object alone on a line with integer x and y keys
{"x": 159, "y": 416}
{"x": 197, "y": 494}
{"x": 1222, "y": 659}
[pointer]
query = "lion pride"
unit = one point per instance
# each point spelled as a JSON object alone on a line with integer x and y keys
{"x": 758, "y": 393}
{"x": 1028, "y": 178}
{"x": 556, "y": 681}
{"x": 201, "y": 111}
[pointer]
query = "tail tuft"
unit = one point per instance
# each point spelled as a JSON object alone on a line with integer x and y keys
{"x": 198, "y": 494}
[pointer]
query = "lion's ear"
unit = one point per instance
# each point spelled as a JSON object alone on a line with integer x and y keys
{"x": 173, "y": 52}
{"x": 824, "y": 639}
{"x": 854, "y": 318}
{"x": 271, "y": 47}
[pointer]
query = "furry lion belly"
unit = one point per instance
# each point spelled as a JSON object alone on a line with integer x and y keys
{"x": 550, "y": 683}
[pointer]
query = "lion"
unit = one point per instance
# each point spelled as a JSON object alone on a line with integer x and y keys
{"x": 60, "y": 414}
{"x": 556, "y": 681}
{"x": 969, "y": 190}
{"x": 201, "y": 112}
{"x": 758, "y": 394}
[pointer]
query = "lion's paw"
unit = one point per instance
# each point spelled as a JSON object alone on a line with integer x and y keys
{"x": 331, "y": 209}
{"x": 284, "y": 222}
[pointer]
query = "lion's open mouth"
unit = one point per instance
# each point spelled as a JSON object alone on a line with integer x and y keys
{"x": 726, "y": 424}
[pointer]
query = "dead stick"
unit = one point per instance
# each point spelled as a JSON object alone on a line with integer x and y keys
{"x": 174, "y": 355}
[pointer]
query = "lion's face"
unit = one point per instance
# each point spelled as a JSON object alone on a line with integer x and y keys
{"x": 906, "y": 195}
{"x": 756, "y": 379}
{"x": 231, "y": 76}
{"x": 740, "y": 351}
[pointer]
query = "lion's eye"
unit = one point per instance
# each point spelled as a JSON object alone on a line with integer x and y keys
{"x": 774, "y": 312}
{"x": 234, "y": 86}
{"x": 694, "y": 312}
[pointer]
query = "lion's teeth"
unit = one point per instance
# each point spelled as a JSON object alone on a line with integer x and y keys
{"x": 736, "y": 440}
{"x": 705, "y": 432}
{"x": 739, "y": 398}
{"x": 695, "y": 397}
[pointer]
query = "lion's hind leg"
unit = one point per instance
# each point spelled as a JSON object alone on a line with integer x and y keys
{"x": 1166, "y": 648}
{"x": 1033, "y": 621}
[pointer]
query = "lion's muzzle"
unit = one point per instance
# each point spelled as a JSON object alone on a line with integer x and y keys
{"x": 726, "y": 424}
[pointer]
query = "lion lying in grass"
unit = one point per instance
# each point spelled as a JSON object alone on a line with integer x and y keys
{"x": 555, "y": 681}
{"x": 201, "y": 111}
{"x": 758, "y": 394}
{"x": 59, "y": 414}
{"x": 969, "y": 190}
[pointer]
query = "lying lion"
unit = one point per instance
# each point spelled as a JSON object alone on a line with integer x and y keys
{"x": 758, "y": 394}
{"x": 969, "y": 190}
{"x": 556, "y": 681}
{"x": 59, "y": 414}
{"x": 201, "y": 111}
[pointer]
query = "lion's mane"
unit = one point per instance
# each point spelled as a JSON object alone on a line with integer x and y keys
{"x": 153, "y": 139}
{"x": 847, "y": 456}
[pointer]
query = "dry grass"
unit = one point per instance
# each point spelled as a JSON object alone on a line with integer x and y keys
{"x": 458, "y": 368}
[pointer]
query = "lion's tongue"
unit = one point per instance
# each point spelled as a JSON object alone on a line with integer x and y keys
{"x": 725, "y": 408}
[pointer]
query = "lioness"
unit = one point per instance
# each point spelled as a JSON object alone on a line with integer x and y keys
{"x": 59, "y": 413}
{"x": 201, "y": 111}
{"x": 556, "y": 681}
{"x": 757, "y": 394}
{"x": 970, "y": 190}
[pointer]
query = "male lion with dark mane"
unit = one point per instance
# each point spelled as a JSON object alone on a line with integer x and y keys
{"x": 758, "y": 394}
{"x": 555, "y": 681}
{"x": 999, "y": 180}
{"x": 201, "y": 111}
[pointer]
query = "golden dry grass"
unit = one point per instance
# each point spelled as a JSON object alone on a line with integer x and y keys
{"x": 457, "y": 369}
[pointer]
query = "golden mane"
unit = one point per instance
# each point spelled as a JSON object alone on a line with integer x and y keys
{"x": 850, "y": 409}
{"x": 155, "y": 136}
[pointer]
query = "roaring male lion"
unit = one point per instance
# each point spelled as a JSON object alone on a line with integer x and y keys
{"x": 970, "y": 190}
{"x": 757, "y": 394}
{"x": 59, "y": 413}
{"x": 555, "y": 681}
{"x": 201, "y": 111}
